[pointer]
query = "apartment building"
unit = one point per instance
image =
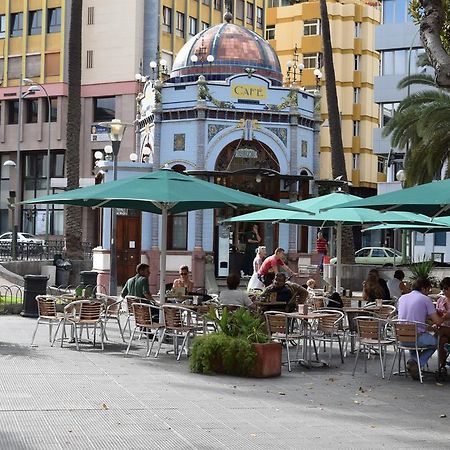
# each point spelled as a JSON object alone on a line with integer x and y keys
{"x": 356, "y": 62}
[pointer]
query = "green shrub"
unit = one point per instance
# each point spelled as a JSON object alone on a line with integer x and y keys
{"x": 423, "y": 269}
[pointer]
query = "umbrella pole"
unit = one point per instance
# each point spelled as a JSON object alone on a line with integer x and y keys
{"x": 338, "y": 256}
{"x": 163, "y": 256}
{"x": 395, "y": 247}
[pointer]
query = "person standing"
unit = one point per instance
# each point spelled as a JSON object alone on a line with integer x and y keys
{"x": 321, "y": 248}
{"x": 418, "y": 307}
{"x": 138, "y": 286}
{"x": 254, "y": 282}
{"x": 443, "y": 309}
{"x": 251, "y": 239}
{"x": 271, "y": 266}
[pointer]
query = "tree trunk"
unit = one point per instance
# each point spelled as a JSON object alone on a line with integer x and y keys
{"x": 73, "y": 214}
{"x": 430, "y": 33}
{"x": 334, "y": 118}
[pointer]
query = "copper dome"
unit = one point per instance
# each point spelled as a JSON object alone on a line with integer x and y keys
{"x": 234, "y": 49}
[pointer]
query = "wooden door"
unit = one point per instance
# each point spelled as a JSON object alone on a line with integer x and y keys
{"x": 128, "y": 246}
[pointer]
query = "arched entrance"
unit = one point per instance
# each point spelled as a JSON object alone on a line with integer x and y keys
{"x": 249, "y": 166}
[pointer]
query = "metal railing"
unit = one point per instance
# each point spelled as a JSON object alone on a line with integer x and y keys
{"x": 27, "y": 251}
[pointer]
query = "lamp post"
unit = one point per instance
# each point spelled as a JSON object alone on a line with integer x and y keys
{"x": 35, "y": 87}
{"x": 294, "y": 69}
{"x": 117, "y": 128}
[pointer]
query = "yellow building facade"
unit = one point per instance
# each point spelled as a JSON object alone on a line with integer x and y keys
{"x": 356, "y": 63}
{"x": 181, "y": 20}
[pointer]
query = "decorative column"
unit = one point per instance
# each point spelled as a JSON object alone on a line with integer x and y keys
{"x": 198, "y": 255}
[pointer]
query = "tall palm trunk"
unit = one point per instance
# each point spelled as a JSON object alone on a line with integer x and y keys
{"x": 73, "y": 222}
{"x": 334, "y": 119}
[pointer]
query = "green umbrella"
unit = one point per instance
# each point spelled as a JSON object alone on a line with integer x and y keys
{"x": 333, "y": 217}
{"x": 432, "y": 199}
{"x": 161, "y": 192}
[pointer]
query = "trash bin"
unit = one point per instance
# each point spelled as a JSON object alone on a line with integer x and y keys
{"x": 34, "y": 285}
{"x": 63, "y": 268}
{"x": 88, "y": 278}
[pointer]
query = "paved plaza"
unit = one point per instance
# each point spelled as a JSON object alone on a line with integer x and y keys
{"x": 59, "y": 398}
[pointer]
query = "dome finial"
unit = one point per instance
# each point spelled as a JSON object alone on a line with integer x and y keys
{"x": 228, "y": 17}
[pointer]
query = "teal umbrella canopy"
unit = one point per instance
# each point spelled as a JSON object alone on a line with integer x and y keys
{"x": 436, "y": 226}
{"x": 431, "y": 199}
{"x": 154, "y": 191}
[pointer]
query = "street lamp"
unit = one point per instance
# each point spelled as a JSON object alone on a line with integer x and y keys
{"x": 318, "y": 74}
{"x": 117, "y": 128}
{"x": 36, "y": 87}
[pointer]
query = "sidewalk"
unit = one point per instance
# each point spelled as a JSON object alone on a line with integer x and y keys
{"x": 53, "y": 398}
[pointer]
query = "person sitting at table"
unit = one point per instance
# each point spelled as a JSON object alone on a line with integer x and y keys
{"x": 183, "y": 281}
{"x": 375, "y": 287}
{"x": 443, "y": 309}
{"x": 279, "y": 290}
{"x": 138, "y": 286}
{"x": 396, "y": 286}
{"x": 310, "y": 285}
{"x": 233, "y": 296}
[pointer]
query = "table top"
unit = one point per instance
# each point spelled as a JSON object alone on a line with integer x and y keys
{"x": 310, "y": 315}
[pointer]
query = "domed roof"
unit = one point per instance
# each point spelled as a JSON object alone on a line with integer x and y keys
{"x": 234, "y": 49}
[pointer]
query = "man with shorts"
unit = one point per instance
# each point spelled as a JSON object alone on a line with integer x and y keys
{"x": 271, "y": 265}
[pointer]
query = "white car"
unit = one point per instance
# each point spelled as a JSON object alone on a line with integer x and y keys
{"x": 377, "y": 256}
{"x": 26, "y": 242}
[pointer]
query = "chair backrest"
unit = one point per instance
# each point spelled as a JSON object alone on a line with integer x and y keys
{"x": 352, "y": 314}
{"x": 331, "y": 322}
{"x": 130, "y": 300}
{"x": 386, "y": 311}
{"x": 317, "y": 302}
{"x": 142, "y": 314}
{"x": 90, "y": 310}
{"x": 346, "y": 302}
{"x": 276, "y": 322}
{"x": 405, "y": 332}
{"x": 112, "y": 304}
{"x": 173, "y": 316}
{"x": 369, "y": 327}
{"x": 46, "y": 305}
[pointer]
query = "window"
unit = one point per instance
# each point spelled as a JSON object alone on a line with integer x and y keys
{"x": 356, "y": 127}
{"x": 250, "y": 13}
{"x": 378, "y": 253}
{"x": 270, "y": 32}
{"x": 355, "y": 161}
{"x": 419, "y": 238}
{"x": 357, "y": 62}
{"x": 33, "y": 66}
{"x": 89, "y": 59}
{"x": 440, "y": 239}
{"x": 35, "y": 22}
{"x": 31, "y": 110}
{"x": 357, "y": 29}
{"x": 53, "y": 110}
{"x": 54, "y": 20}
{"x": 205, "y": 25}
{"x": 311, "y": 27}
{"x": 304, "y": 149}
{"x": 13, "y": 112}
{"x": 167, "y": 19}
{"x": 180, "y": 24}
{"x": 206, "y": 2}
{"x": 363, "y": 253}
{"x": 311, "y": 60}
{"x": 395, "y": 11}
{"x": 218, "y": 4}
{"x": 16, "y": 25}
{"x": 192, "y": 26}
{"x": 90, "y": 15}
{"x": 259, "y": 17}
{"x": 52, "y": 64}
{"x": 2, "y": 25}
{"x": 395, "y": 62}
{"x": 387, "y": 111}
{"x": 356, "y": 95}
{"x": 381, "y": 165}
{"x": 104, "y": 109}
{"x": 240, "y": 5}
{"x": 177, "y": 231}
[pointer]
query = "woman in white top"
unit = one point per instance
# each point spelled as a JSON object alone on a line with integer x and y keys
{"x": 254, "y": 282}
{"x": 396, "y": 286}
{"x": 233, "y": 296}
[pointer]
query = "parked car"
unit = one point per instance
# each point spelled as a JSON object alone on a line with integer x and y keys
{"x": 377, "y": 256}
{"x": 26, "y": 242}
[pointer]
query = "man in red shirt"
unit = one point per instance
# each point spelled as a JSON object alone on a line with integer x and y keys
{"x": 270, "y": 267}
{"x": 321, "y": 248}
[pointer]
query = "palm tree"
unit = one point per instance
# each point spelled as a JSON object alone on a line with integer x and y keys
{"x": 421, "y": 125}
{"x": 337, "y": 149}
{"x": 73, "y": 214}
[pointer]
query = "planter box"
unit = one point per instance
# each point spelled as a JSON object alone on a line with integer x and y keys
{"x": 268, "y": 361}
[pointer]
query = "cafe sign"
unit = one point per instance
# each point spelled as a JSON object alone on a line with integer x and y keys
{"x": 249, "y": 91}
{"x": 246, "y": 153}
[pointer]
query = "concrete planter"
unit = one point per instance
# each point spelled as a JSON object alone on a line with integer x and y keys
{"x": 268, "y": 361}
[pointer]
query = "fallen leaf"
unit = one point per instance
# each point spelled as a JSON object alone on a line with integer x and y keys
{"x": 443, "y": 416}
{"x": 104, "y": 406}
{"x": 281, "y": 393}
{"x": 253, "y": 434}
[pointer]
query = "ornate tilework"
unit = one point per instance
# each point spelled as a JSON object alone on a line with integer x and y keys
{"x": 213, "y": 129}
{"x": 179, "y": 142}
{"x": 281, "y": 133}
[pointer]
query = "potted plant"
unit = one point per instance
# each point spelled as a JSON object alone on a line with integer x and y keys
{"x": 423, "y": 269}
{"x": 239, "y": 347}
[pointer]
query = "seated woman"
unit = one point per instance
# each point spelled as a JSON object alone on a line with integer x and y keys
{"x": 375, "y": 287}
{"x": 184, "y": 281}
{"x": 233, "y": 296}
{"x": 397, "y": 286}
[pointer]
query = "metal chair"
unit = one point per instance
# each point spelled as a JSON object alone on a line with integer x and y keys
{"x": 177, "y": 325}
{"x": 406, "y": 335}
{"x": 47, "y": 315}
{"x": 130, "y": 299}
{"x": 371, "y": 334}
{"x": 278, "y": 329}
{"x": 112, "y": 310}
{"x": 144, "y": 323}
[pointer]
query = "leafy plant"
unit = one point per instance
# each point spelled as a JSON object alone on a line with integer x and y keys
{"x": 422, "y": 269}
